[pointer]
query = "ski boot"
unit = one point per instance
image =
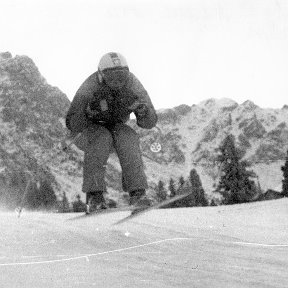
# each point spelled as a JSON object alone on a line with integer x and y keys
{"x": 95, "y": 201}
{"x": 139, "y": 200}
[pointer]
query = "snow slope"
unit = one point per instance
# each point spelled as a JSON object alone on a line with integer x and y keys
{"x": 227, "y": 246}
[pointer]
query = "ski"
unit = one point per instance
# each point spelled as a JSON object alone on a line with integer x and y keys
{"x": 140, "y": 211}
{"x": 102, "y": 212}
{"x": 135, "y": 211}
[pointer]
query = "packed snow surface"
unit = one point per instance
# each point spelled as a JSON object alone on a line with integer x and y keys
{"x": 227, "y": 246}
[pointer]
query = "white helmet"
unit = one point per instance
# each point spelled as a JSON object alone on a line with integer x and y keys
{"x": 113, "y": 69}
{"x": 112, "y": 60}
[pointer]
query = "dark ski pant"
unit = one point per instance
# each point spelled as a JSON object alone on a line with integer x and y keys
{"x": 98, "y": 142}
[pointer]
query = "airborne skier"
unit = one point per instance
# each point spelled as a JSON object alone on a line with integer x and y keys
{"x": 101, "y": 107}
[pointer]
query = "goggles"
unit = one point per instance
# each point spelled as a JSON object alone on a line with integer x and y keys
{"x": 115, "y": 78}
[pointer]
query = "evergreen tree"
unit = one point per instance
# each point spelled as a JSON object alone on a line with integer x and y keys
{"x": 172, "y": 188}
{"x": 78, "y": 205}
{"x": 47, "y": 195}
{"x": 184, "y": 188}
{"x": 234, "y": 184}
{"x": 33, "y": 197}
{"x": 40, "y": 197}
{"x": 197, "y": 189}
{"x": 285, "y": 177}
{"x": 64, "y": 203}
{"x": 180, "y": 184}
{"x": 161, "y": 192}
{"x": 213, "y": 203}
{"x": 12, "y": 189}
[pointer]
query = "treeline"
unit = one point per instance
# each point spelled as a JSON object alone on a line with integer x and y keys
{"x": 19, "y": 189}
{"x": 22, "y": 191}
{"x": 191, "y": 185}
{"x": 78, "y": 205}
{"x": 235, "y": 184}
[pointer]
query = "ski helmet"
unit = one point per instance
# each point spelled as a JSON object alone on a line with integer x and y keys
{"x": 112, "y": 60}
{"x": 114, "y": 69}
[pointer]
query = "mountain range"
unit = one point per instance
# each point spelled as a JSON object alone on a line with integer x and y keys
{"x": 32, "y": 126}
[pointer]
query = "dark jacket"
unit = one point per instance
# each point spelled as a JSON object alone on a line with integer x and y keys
{"x": 111, "y": 106}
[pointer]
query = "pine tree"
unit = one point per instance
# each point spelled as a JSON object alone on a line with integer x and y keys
{"x": 234, "y": 184}
{"x": 180, "y": 184}
{"x": 285, "y": 177}
{"x": 197, "y": 189}
{"x": 12, "y": 190}
{"x": 64, "y": 204}
{"x": 172, "y": 188}
{"x": 47, "y": 195}
{"x": 161, "y": 192}
{"x": 33, "y": 197}
{"x": 78, "y": 205}
{"x": 213, "y": 203}
{"x": 42, "y": 196}
{"x": 185, "y": 187}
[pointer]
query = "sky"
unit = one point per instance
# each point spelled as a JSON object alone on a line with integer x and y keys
{"x": 183, "y": 52}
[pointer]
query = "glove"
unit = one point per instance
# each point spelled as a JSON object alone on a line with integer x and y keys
{"x": 139, "y": 108}
{"x": 91, "y": 113}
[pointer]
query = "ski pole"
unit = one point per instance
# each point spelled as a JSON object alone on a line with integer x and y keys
{"x": 19, "y": 209}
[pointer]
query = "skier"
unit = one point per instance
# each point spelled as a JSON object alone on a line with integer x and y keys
{"x": 101, "y": 107}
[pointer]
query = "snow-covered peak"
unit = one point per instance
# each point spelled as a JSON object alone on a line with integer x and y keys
{"x": 5, "y": 55}
{"x": 249, "y": 105}
{"x": 217, "y": 104}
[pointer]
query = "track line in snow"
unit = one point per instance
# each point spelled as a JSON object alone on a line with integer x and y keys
{"x": 260, "y": 244}
{"x": 87, "y": 256}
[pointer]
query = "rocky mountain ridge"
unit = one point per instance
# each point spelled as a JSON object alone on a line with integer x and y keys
{"x": 261, "y": 135}
{"x": 32, "y": 126}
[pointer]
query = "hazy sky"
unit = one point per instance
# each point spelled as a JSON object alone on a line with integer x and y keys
{"x": 183, "y": 52}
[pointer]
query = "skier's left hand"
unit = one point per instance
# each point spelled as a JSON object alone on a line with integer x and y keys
{"x": 139, "y": 108}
